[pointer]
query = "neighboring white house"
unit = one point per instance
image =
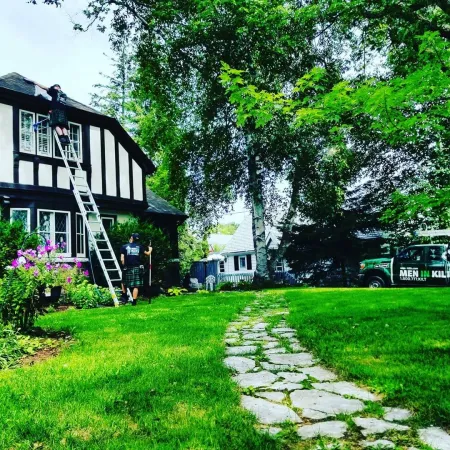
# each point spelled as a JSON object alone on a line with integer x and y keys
{"x": 239, "y": 258}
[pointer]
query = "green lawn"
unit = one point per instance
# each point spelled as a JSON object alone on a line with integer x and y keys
{"x": 136, "y": 378}
{"x": 395, "y": 340}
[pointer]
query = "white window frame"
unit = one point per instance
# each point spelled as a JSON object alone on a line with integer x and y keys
{"x": 243, "y": 267}
{"x": 222, "y": 266}
{"x": 81, "y": 233}
{"x": 40, "y": 117}
{"x": 279, "y": 266}
{"x": 81, "y": 143}
{"x": 33, "y": 138}
{"x": 52, "y": 238}
{"x": 28, "y": 216}
{"x": 113, "y": 219}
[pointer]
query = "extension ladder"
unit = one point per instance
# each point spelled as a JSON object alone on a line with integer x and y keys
{"x": 92, "y": 219}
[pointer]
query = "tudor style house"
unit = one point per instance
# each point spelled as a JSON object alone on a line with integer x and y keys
{"x": 34, "y": 183}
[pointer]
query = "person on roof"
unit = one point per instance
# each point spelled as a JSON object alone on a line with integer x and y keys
{"x": 58, "y": 116}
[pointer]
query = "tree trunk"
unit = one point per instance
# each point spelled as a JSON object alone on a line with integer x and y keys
{"x": 288, "y": 221}
{"x": 259, "y": 229}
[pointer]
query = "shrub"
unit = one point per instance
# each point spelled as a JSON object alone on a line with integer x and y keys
{"x": 120, "y": 233}
{"x": 175, "y": 291}
{"x": 12, "y": 238}
{"x": 245, "y": 285}
{"x": 85, "y": 295}
{"x": 28, "y": 276}
{"x": 225, "y": 286}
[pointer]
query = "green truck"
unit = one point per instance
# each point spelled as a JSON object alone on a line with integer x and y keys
{"x": 416, "y": 265}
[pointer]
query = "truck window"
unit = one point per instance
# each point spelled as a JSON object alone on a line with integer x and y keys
{"x": 412, "y": 254}
{"x": 435, "y": 253}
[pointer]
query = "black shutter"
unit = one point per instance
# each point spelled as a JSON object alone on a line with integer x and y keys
{"x": 236, "y": 263}
{"x": 249, "y": 262}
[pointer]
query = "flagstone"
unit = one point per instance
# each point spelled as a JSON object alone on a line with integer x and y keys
{"x": 272, "y": 396}
{"x": 319, "y": 404}
{"x": 370, "y": 425}
{"x": 274, "y": 367}
{"x": 435, "y": 437}
{"x": 396, "y": 414}
{"x": 293, "y": 359}
{"x": 319, "y": 373}
{"x": 293, "y": 377}
{"x": 258, "y": 379}
{"x": 270, "y": 345}
{"x": 239, "y": 363}
{"x": 231, "y": 341}
{"x": 269, "y": 413}
{"x": 241, "y": 350}
{"x": 283, "y": 330}
{"x": 346, "y": 388}
{"x": 332, "y": 429}
{"x": 276, "y": 350}
{"x": 285, "y": 386}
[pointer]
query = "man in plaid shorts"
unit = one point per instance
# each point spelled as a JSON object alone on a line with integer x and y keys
{"x": 133, "y": 271}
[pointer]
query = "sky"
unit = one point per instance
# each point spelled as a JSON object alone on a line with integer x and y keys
{"x": 39, "y": 42}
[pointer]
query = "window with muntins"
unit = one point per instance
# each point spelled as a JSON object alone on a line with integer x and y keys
{"x": 43, "y": 138}
{"x": 242, "y": 260}
{"x": 26, "y": 132}
{"x": 221, "y": 266}
{"x": 21, "y": 215}
{"x": 75, "y": 138}
{"x": 55, "y": 227}
{"x": 81, "y": 236}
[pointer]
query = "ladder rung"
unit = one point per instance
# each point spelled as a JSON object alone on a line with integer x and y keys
{"x": 116, "y": 279}
{"x": 112, "y": 270}
{"x": 108, "y": 260}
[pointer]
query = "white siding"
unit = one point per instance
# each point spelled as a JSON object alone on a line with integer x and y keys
{"x": 96, "y": 161}
{"x": 229, "y": 264}
{"x": 63, "y": 180}
{"x": 26, "y": 172}
{"x": 137, "y": 182}
{"x": 124, "y": 169}
{"x": 6, "y": 144}
{"x": 110, "y": 161}
{"x": 45, "y": 175}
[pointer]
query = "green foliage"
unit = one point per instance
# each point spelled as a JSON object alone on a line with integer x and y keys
{"x": 22, "y": 288}
{"x": 191, "y": 248}
{"x": 225, "y": 228}
{"x": 120, "y": 234}
{"x": 245, "y": 286}
{"x": 14, "y": 346}
{"x": 12, "y": 238}
{"x": 225, "y": 286}
{"x": 176, "y": 291}
{"x": 85, "y": 295}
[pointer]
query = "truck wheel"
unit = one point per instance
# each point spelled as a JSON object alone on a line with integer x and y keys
{"x": 375, "y": 282}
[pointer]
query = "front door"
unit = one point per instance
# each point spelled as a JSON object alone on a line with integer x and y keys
{"x": 409, "y": 267}
{"x": 437, "y": 265}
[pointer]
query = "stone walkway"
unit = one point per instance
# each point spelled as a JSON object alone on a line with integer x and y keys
{"x": 295, "y": 399}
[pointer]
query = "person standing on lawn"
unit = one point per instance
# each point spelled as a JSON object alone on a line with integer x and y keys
{"x": 58, "y": 116}
{"x": 133, "y": 271}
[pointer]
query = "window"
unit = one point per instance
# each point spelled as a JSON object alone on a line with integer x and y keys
{"x": 26, "y": 132}
{"x": 413, "y": 254}
{"x": 39, "y": 142}
{"x": 221, "y": 266}
{"x": 242, "y": 260}
{"x": 108, "y": 222}
{"x": 435, "y": 253}
{"x": 279, "y": 266}
{"x": 21, "y": 215}
{"x": 55, "y": 226}
{"x": 75, "y": 139}
{"x": 81, "y": 236}
{"x": 43, "y": 138}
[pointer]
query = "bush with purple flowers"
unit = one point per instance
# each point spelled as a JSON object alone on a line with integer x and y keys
{"x": 28, "y": 276}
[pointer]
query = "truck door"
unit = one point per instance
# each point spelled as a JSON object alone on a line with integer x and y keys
{"x": 437, "y": 265}
{"x": 409, "y": 267}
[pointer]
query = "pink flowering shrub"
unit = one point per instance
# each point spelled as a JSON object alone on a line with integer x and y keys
{"x": 33, "y": 271}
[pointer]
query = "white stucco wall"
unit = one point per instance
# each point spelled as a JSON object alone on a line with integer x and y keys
{"x": 137, "y": 182}
{"x": 96, "y": 160}
{"x": 26, "y": 172}
{"x": 6, "y": 144}
{"x": 45, "y": 175}
{"x": 124, "y": 169}
{"x": 110, "y": 162}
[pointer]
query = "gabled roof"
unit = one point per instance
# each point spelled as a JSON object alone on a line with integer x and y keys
{"x": 15, "y": 82}
{"x": 242, "y": 239}
{"x": 158, "y": 205}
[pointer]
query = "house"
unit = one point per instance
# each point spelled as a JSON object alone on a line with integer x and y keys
{"x": 34, "y": 183}
{"x": 239, "y": 257}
